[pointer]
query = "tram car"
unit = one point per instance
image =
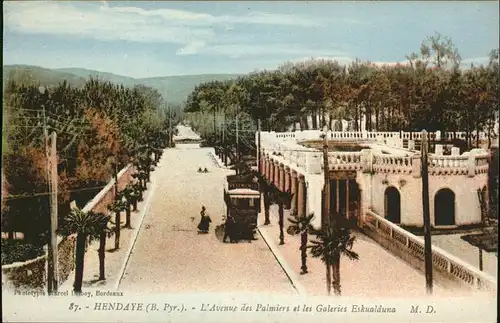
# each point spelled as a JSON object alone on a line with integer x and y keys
{"x": 242, "y": 199}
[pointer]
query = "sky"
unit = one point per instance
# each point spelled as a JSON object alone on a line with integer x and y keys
{"x": 160, "y": 38}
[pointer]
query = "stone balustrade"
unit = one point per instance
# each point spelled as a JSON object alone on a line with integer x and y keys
{"x": 448, "y": 165}
{"x": 392, "y": 164}
{"x": 346, "y": 135}
{"x": 340, "y": 160}
{"x": 310, "y": 159}
{"x": 463, "y": 135}
{"x": 370, "y": 135}
{"x": 411, "y": 135}
{"x": 482, "y": 163}
{"x": 441, "y": 260}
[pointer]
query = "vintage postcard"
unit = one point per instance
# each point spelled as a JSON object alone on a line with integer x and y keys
{"x": 219, "y": 161}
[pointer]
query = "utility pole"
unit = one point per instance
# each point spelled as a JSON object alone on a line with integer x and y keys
{"x": 258, "y": 145}
{"x": 325, "y": 221}
{"x": 224, "y": 155}
{"x": 480, "y": 258}
{"x": 169, "y": 126}
{"x": 237, "y": 142}
{"x": 52, "y": 275}
{"x": 50, "y": 263}
{"x": 427, "y": 221}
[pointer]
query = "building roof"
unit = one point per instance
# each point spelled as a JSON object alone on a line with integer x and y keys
{"x": 244, "y": 192}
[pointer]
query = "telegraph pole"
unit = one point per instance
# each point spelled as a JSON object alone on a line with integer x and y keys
{"x": 258, "y": 145}
{"x": 52, "y": 275}
{"x": 50, "y": 259}
{"x": 237, "y": 142}
{"x": 223, "y": 146}
{"x": 325, "y": 221}
{"x": 54, "y": 220}
{"x": 169, "y": 126}
{"x": 480, "y": 258}
{"x": 427, "y": 221}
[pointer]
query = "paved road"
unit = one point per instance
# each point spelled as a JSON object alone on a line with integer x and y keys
{"x": 169, "y": 256}
{"x": 454, "y": 244}
{"x": 185, "y": 132}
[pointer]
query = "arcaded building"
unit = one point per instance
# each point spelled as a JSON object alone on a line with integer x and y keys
{"x": 378, "y": 172}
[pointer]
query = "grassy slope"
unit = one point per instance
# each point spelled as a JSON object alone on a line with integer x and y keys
{"x": 174, "y": 88}
{"x": 44, "y": 76}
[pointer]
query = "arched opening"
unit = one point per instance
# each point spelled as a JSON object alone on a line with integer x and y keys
{"x": 393, "y": 205}
{"x": 444, "y": 207}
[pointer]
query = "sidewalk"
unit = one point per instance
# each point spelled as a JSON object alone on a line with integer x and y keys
{"x": 114, "y": 260}
{"x": 217, "y": 160}
{"x": 454, "y": 244}
{"x": 377, "y": 273}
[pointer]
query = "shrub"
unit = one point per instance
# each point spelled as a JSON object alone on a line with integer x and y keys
{"x": 19, "y": 251}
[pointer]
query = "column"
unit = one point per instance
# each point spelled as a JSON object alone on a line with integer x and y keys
{"x": 347, "y": 198}
{"x": 271, "y": 170}
{"x": 282, "y": 178}
{"x": 361, "y": 210}
{"x": 300, "y": 196}
{"x": 337, "y": 206}
{"x": 262, "y": 169}
{"x": 276, "y": 174}
{"x": 293, "y": 188}
{"x": 287, "y": 179}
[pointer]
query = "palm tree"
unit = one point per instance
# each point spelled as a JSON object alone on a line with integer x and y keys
{"x": 241, "y": 168}
{"x": 282, "y": 199}
{"x": 303, "y": 227}
{"x": 142, "y": 177}
{"x": 138, "y": 189}
{"x": 265, "y": 188}
{"x": 130, "y": 196}
{"x": 332, "y": 242}
{"x": 105, "y": 233}
{"x": 117, "y": 207}
{"x": 85, "y": 225}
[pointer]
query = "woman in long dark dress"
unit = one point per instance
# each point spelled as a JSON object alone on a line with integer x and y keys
{"x": 204, "y": 222}
{"x": 229, "y": 227}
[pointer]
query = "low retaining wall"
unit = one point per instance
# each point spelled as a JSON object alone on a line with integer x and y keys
{"x": 32, "y": 274}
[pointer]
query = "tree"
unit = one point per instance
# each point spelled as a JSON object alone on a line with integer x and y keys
{"x": 281, "y": 199}
{"x": 303, "y": 226}
{"x": 440, "y": 51}
{"x": 106, "y": 232}
{"x": 266, "y": 189}
{"x": 86, "y": 225}
{"x": 332, "y": 242}
{"x": 117, "y": 207}
{"x": 130, "y": 195}
{"x": 138, "y": 189}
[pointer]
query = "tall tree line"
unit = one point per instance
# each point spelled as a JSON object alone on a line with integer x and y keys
{"x": 100, "y": 127}
{"x": 430, "y": 92}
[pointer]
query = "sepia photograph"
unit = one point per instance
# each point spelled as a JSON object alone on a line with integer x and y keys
{"x": 250, "y": 161}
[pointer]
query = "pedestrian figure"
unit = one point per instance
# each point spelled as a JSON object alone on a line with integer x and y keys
{"x": 205, "y": 170}
{"x": 199, "y": 170}
{"x": 229, "y": 229}
{"x": 204, "y": 222}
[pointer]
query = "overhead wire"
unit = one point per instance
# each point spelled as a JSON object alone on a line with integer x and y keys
{"x": 26, "y": 196}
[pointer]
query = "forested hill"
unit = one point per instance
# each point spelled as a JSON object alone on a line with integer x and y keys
{"x": 174, "y": 89}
